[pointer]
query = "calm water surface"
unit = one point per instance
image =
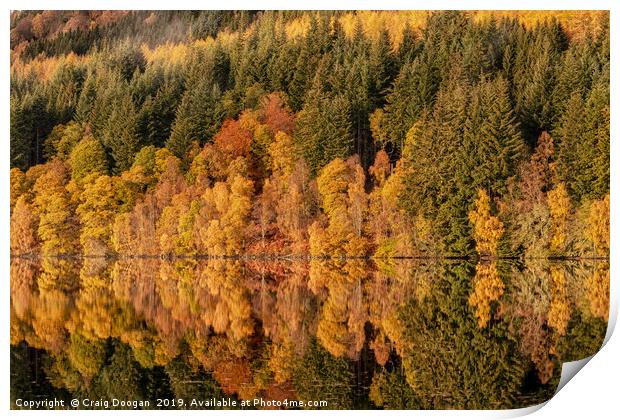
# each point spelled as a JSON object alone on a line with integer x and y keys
{"x": 388, "y": 334}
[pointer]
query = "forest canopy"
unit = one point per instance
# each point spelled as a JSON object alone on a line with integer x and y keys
{"x": 323, "y": 133}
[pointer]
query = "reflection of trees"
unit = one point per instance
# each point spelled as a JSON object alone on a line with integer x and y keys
{"x": 559, "y": 310}
{"x": 584, "y": 337}
{"x": 53, "y": 300}
{"x": 23, "y": 282}
{"x": 28, "y": 379}
{"x": 390, "y": 390}
{"x": 231, "y": 315}
{"x": 587, "y": 286}
{"x": 296, "y": 309}
{"x": 389, "y": 288}
{"x": 150, "y": 329}
{"x": 488, "y": 287}
{"x": 551, "y": 312}
{"x": 279, "y": 329}
{"x": 527, "y": 316}
{"x": 597, "y": 291}
{"x": 321, "y": 376}
{"x": 450, "y": 362}
{"x": 343, "y": 314}
{"x": 189, "y": 382}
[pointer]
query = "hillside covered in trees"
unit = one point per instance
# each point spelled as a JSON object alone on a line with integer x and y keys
{"x": 310, "y": 133}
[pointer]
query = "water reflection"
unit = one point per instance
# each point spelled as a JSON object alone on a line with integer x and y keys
{"x": 354, "y": 332}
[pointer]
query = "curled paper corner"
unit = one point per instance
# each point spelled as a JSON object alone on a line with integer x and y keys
{"x": 520, "y": 412}
{"x": 569, "y": 370}
{"x": 613, "y": 311}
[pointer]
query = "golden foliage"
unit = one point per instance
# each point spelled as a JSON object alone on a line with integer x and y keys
{"x": 18, "y": 185}
{"x": 597, "y": 292}
{"x": 23, "y": 227}
{"x": 488, "y": 229}
{"x": 559, "y": 208}
{"x": 597, "y": 225}
{"x": 283, "y": 154}
{"x": 559, "y": 310}
{"x": 381, "y": 168}
{"x": 282, "y": 361}
{"x": 488, "y": 287}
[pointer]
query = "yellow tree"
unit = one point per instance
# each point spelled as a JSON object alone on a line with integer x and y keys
{"x": 223, "y": 217}
{"x": 358, "y": 199}
{"x": 23, "y": 228}
{"x": 377, "y": 126}
{"x": 345, "y": 204}
{"x": 57, "y": 227}
{"x": 287, "y": 197}
{"x": 100, "y": 201}
{"x": 488, "y": 229}
{"x": 394, "y": 232}
{"x": 167, "y": 226}
{"x": 134, "y": 232}
{"x": 597, "y": 226}
{"x": 18, "y": 185}
{"x": 560, "y": 210}
{"x": 283, "y": 155}
{"x": 87, "y": 158}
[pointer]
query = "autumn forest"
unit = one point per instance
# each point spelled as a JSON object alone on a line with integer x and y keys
{"x": 289, "y": 204}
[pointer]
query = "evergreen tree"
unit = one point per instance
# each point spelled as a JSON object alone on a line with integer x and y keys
{"x": 324, "y": 129}
{"x": 157, "y": 114}
{"x": 198, "y": 118}
{"x": 120, "y": 133}
{"x": 413, "y": 92}
{"x": 583, "y": 152}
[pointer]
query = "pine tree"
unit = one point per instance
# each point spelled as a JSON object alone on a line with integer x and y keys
{"x": 29, "y": 125}
{"x": 493, "y": 145}
{"x": 157, "y": 114}
{"x": 307, "y": 60}
{"x": 412, "y": 93}
{"x": 408, "y": 46}
{"x": 120, "y": 133}
{"x": 88, "y": 96}
{"x": 436, "y": 184}
{"x": 324, "y": 129}
{"x": 21, "y": 127}
{"x": 198, "y": 117}
{"x": 583, "y": 152}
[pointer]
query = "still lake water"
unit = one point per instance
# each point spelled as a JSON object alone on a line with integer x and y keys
{"x": 417, "y": 334}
